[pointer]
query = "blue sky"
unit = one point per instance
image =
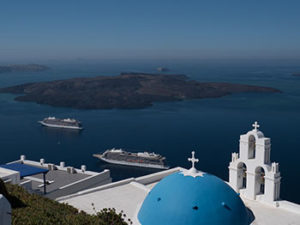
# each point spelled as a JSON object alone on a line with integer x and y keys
{"x": 139, "y": 29}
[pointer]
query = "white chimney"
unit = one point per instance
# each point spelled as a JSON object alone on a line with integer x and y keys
{"x": 62, "y": 164}
{"x": 83, "y": 168}
{"x": 51, "y": 166}
{"x": 70, "y": 169}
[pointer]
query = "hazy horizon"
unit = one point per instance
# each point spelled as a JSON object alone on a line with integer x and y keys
{"x": 35, "y": 31}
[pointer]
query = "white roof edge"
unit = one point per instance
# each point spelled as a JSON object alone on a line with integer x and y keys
{"x": 84, "y": 179}
{"x": 141, "y": 180}
{"x": 99, "y": 188}
{"x": 8, "y": 171}
{"x": 289, "y": 206}
{"x": 140, "y": 186}
{"x": 45, "y": 165}
{"x": 157, "y": 176}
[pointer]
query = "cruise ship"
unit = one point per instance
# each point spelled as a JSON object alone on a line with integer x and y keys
{"x": 140, "y": 159}
{"x": 61, "y": 123}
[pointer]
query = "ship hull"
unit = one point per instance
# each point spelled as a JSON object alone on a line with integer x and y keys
{"x": 60, "y": 126}
{"x": 131, "y": 163}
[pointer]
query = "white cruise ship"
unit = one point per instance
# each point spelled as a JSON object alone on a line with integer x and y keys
{"x": 61, "y": 123}
{"x": 140, "y": 159}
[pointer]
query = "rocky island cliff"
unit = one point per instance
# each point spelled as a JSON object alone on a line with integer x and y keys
{"x": 125, "y": 91}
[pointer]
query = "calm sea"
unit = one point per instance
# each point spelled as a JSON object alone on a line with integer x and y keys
{"x": 211, "y": 127}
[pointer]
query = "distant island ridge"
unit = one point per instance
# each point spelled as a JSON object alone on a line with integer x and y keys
{"x": 125, "y": 91}
{"x": 23, "y": 68}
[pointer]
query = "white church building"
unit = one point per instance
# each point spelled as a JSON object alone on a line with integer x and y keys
{"x": 190, "y": 197}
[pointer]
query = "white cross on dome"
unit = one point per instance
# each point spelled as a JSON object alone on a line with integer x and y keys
{"x": 193, "y": 172}
{"x": 193, "y": 159}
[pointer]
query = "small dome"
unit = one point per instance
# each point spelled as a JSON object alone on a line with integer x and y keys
{"x": 180, "y": 199}
{"x": 256, "y": 133}
{"x": 260, "y": 134}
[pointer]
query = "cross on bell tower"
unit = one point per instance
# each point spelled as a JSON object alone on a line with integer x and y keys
{"x": 193, "y": 160}
{"x": 256, "y": 126}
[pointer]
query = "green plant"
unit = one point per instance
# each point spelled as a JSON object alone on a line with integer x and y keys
{"x": 33, "y": 209}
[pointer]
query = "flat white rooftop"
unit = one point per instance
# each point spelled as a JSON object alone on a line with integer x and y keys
{"x": 61, "y": 180}
{"x": 270, "y": 215}
{"x": 124, "y": 197}
{"x": 129, "y": 194}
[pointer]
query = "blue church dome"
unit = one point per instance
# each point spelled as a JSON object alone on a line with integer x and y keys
{"x": 181, "y": 199}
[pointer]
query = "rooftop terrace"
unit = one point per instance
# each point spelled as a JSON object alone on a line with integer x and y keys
{"x": 128, "y": 195}
{"x": 60, "y": 180}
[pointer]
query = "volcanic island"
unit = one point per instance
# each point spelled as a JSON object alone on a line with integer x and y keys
{"x": 125, "y": 91}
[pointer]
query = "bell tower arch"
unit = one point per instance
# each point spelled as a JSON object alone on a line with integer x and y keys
{"x": 251, "y": 147}
{"x": 251, "y": 172}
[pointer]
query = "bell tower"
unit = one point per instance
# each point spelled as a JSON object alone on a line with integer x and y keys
{"x": 251, "y": 172}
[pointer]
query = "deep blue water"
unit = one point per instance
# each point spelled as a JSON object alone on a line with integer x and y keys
{"x": 211, "y": 127}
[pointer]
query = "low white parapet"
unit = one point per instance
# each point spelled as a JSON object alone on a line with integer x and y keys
{"x": 9, "y": 175}
{"x": 147, "y": 179}
{"x": 154, "y": 177}
{"x": 99, "y": 179}
{"x": 140, "y": 186}
{"x": 99, "y": 188}
{"x": 289, "y": 206}
{"x": 61, "y": 167}
{"x": 27, "y": 184}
